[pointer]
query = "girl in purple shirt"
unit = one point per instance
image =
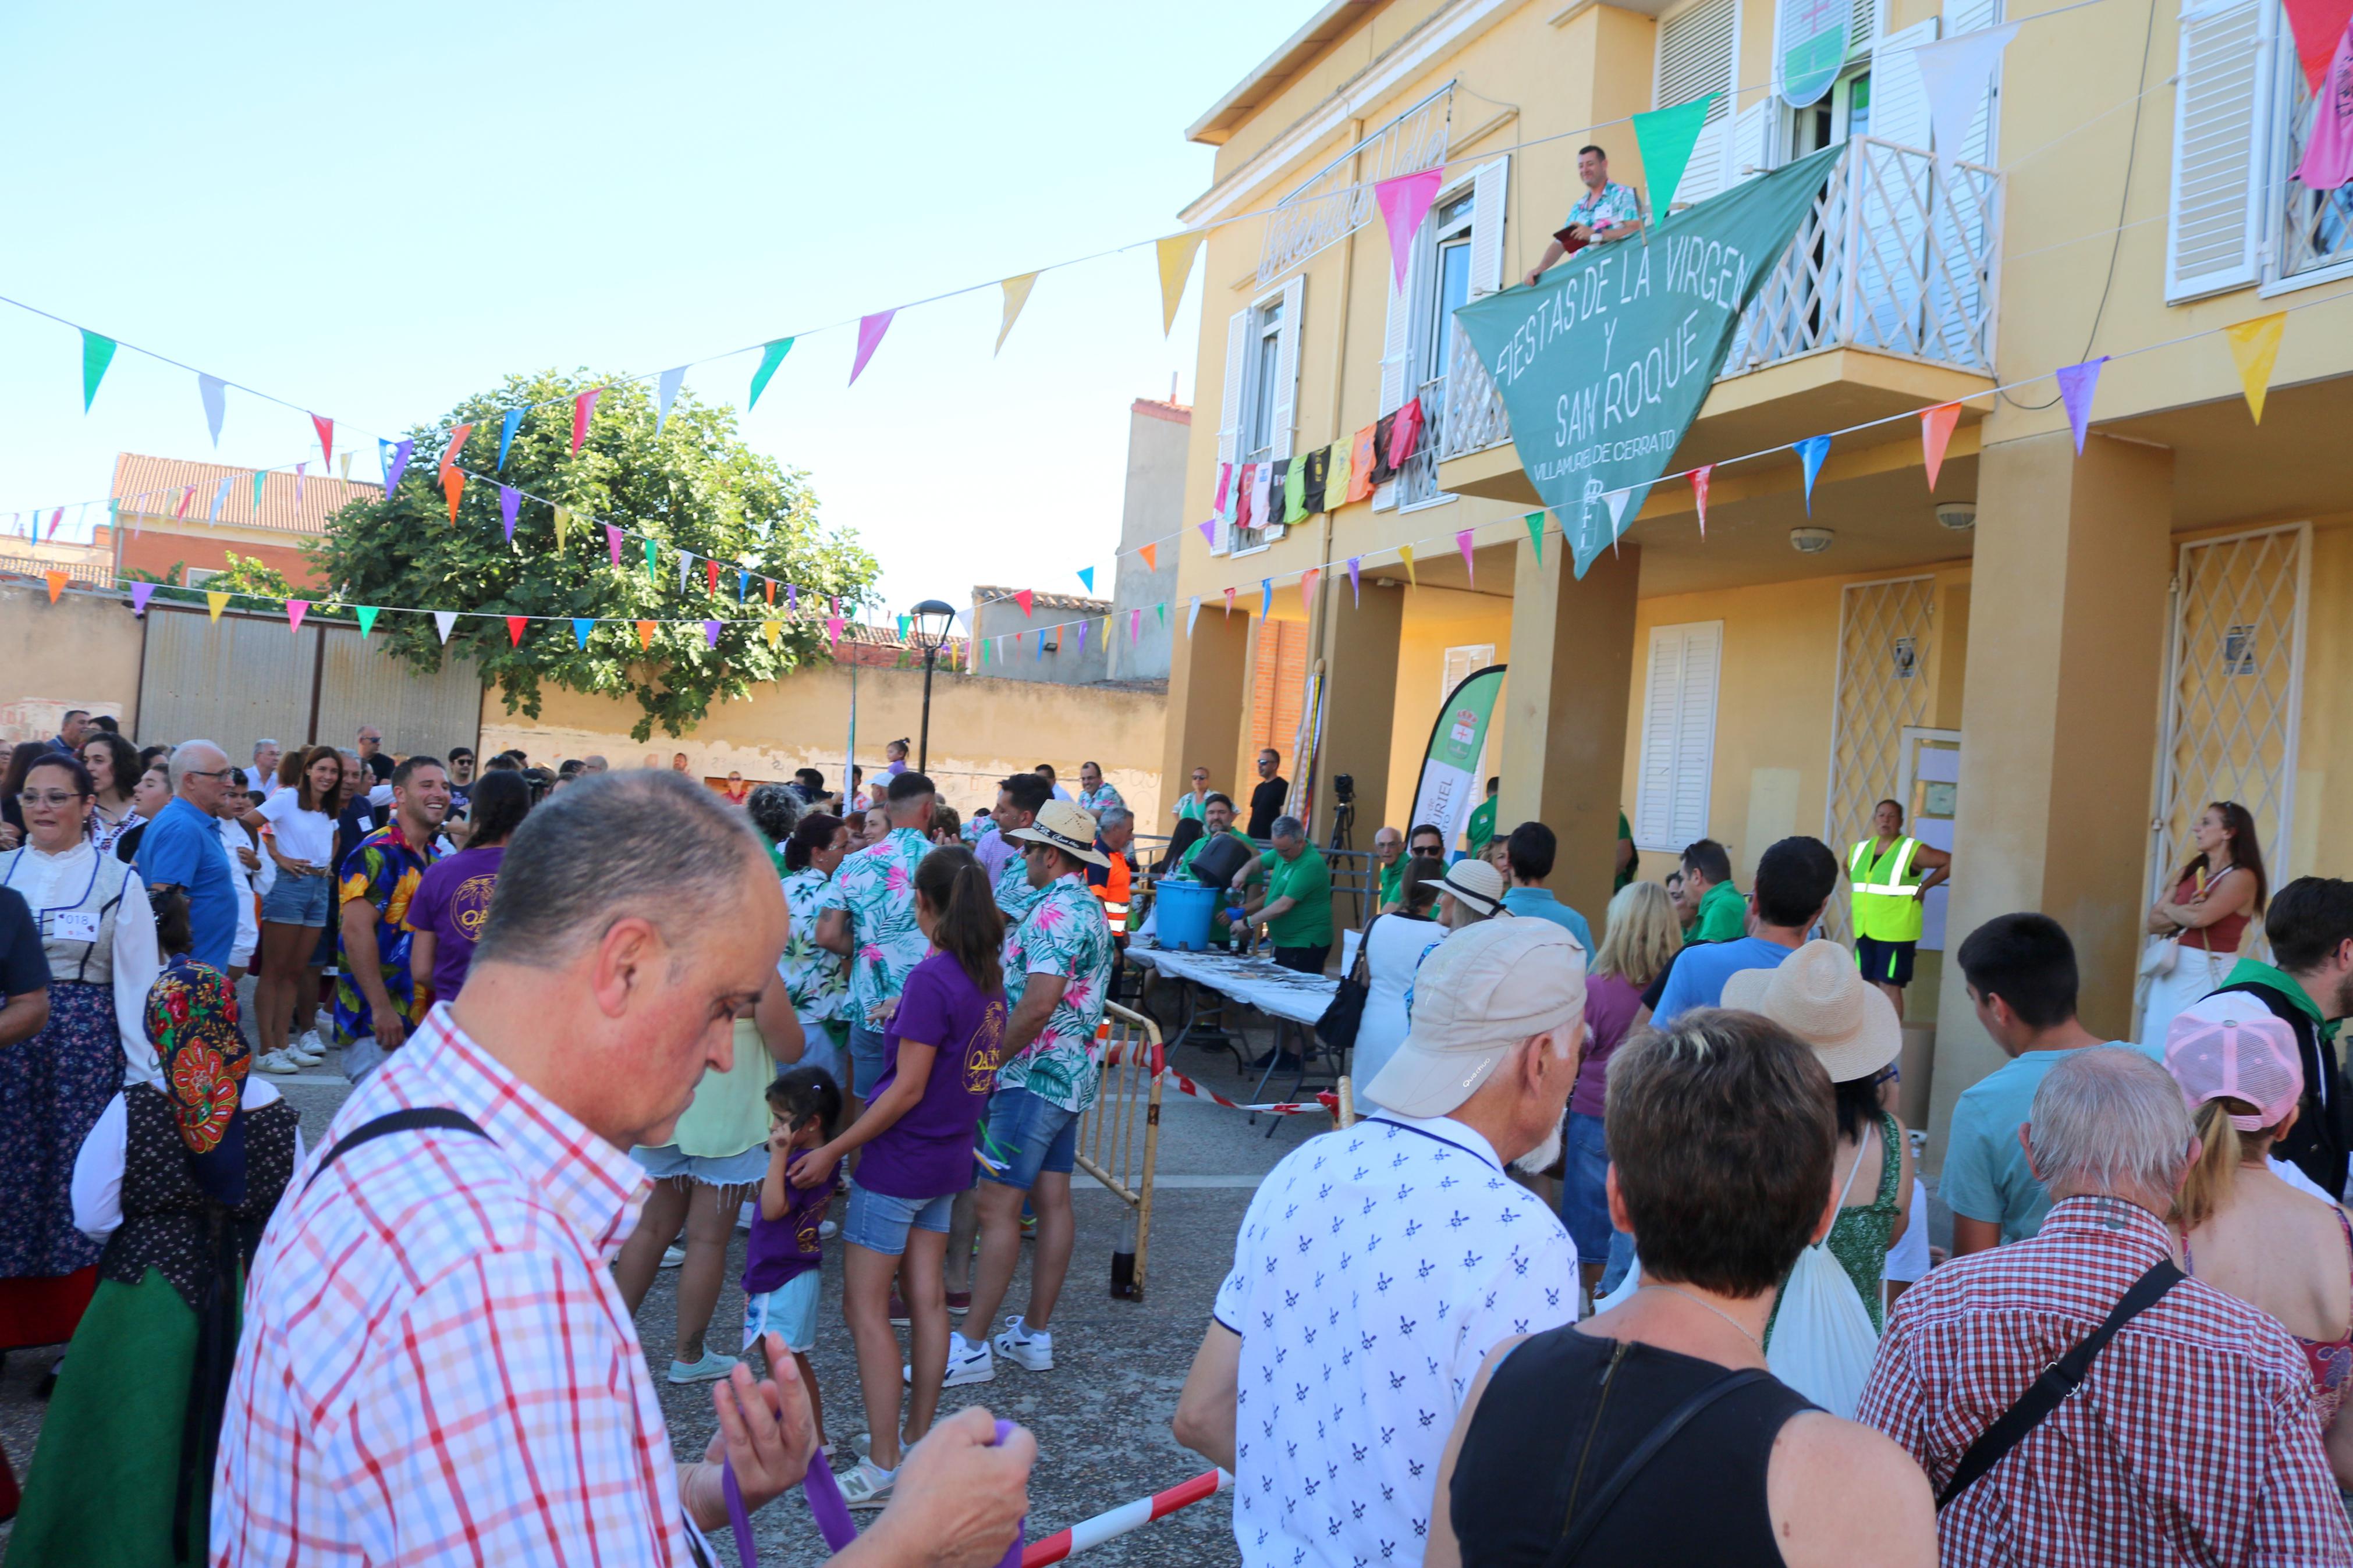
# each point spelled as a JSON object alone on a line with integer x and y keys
{"x": 785, "y": 1256}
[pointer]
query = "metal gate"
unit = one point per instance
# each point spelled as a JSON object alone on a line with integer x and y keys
{"x": 1118, "y": 1135}
{"x": 244, "y": 677}
{"x": 1884, "y": 632}
{"x": 2234, "y": 692}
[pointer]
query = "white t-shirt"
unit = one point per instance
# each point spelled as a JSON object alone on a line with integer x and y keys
{"x": 301, "y": 835}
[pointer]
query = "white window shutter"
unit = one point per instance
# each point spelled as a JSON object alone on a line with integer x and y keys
{"x": 1286, "y": 371}
{"x": 2214, "y": 238}
{"x": 1677, "y": 772}
{"x": 1697, "y": 47}
{"x": 1750, "y": 155}
{"x": 1972, "y": 17}
{"x": 1230, "y": 425}
{"x": 1899, "y": 102}
{"x": 1489, "y": 192}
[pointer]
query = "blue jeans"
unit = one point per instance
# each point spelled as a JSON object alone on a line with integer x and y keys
{"x": 1031, "y": 1135}
{"x": 866, "y": 1048}
{"x": 1585, "y": 1203}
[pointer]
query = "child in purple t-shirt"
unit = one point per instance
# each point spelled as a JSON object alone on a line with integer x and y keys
{"x": 783, "y": 1262}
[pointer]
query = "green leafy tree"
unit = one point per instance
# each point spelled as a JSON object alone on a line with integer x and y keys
{"x": 252, "y": 585}
{"x": 695, "y": 486}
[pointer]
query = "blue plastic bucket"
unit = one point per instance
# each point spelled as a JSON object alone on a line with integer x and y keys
{"x": 1185, "y": 912}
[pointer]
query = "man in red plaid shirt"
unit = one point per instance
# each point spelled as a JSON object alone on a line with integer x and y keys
{"x": 2193, "y": 1438}
{"x": 436, "y": 1366}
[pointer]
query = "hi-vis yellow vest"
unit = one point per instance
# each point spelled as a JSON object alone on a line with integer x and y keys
{"x": 1884, "y": 909}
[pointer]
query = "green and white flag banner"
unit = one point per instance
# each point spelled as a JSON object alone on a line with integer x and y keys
{"x": 1451, "y": 788}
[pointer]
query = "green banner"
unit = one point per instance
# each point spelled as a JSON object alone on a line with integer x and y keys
{"x": 1450, "y": 787}
{"x": 1604, "y": 363}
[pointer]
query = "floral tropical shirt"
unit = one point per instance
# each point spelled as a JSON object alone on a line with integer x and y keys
{"x": 1015, "y": 897}
{"x": 877, "y": 888}
{"x": 1099, "y": 800}
{"x": 976, "y": 828}
{"x": 1064, "y": 934}
{"x": 385, "y": 869}
{"x": 814, "y": 976}
{"x": 1613, "y": 204}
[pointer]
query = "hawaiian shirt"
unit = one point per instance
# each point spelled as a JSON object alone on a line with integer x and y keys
{"x": 877, "y": 888}
{"x": 814, "y": 976}
{"x": 1014, "y": 898}
{"x": 1065, "y": 933}
{"x": 1612, "y": 204}
{"x": 1100, "y": 799}
{"x": 384, "y": 871}
{"x": 976, "y": 828}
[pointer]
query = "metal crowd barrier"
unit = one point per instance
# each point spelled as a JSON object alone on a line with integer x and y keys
{"x": 1118, "y": 1135}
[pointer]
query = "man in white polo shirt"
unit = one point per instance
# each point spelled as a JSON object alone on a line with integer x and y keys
{"x": 1377, "y": 1267}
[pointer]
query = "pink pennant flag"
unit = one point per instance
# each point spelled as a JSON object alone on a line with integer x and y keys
{"x": 613, "y": 544}
{"x": 833, "y": 629}
{"x": 295, "y": 610}
{"x": 1937, "y": 429}
{"x": 1135, "y": 627}
{"x": 1225, "y": 478}
{"x": 55, "y": 518}
{"x": 1026, "y": 598}
{"x": 326, "y": 430}
{"x": 1355, "y": 584}
{"x": 301, "y": 472}
{"x": 1230, "y": 604}
{"x": 187, "y": 494}
{"x": 2077, "y": 383}
{"x": 140, "y": 594}
{"x": 870, "y": 338}
{"x": 584, "y": 407}
{"x": 1307, "y": 588}
{"x": 1700, "y": 478}
{"x": 1462, "y": 543}
{"x": 1404, "y": 201}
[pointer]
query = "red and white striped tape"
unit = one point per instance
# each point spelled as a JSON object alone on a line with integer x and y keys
{"x": 1128, "y": 1516}
{"x": 1327, "y": 1101}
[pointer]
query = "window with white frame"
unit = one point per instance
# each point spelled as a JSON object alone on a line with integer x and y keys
{"x": 1258, "y": 415}
{"x": 2314, "y": 227}
{"x": 1461, "y": 663}
{"x": 1678, "y": 768}
{"x": 2225, "y": 116}
{"x": 1457, "y": 257}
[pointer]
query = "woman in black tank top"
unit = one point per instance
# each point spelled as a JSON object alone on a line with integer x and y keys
{"x": 1560, "y": 1415}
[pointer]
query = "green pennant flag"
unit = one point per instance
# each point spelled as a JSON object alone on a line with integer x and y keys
{"x": 1535, "y": 521}
{"x": 367, "y": 614}
{"x": 771, "y": 357}
{"x": 650, "y": 561}
{"x": 1666, "y": 137}
{"x": 96, "y": 353}
{"x": 258, "y": 475}
{"x": 903, "y": 628}
{"x": 1163, "y": 609}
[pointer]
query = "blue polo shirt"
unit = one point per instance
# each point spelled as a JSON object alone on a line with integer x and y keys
{"x": 1537, "y": 903}
{"x": 1697, "y": 979}
{"x": 181, "y": 848}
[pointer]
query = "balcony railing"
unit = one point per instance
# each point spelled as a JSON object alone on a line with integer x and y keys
{"x": 1892, "y": 256}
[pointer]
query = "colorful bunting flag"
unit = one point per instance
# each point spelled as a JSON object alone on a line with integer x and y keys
{"x": 1151, "y": 554}
{"x": 57, "y": 580}
{"x": 1135, "y": 627}
{"x": 2316, "y": 25}
{"x": 1176, "y": 256}
{"x": 2254, "y": 349}
{"x": 1535, "y": 521}
{"x": 613, "y": 543}
{"x": 367, "y": 613}
{"x": 2077, "y": 383}
{"x": 1936, "y": 433}
{"x": 56, "y": 518}
{"x": 209, "y": 388}
{"x": 187, "y": 494}
{"x": 1307, "y": 588}
{"x": 1666, "y": 137}
{"x": 1265, "y": 597}
{"x": 1225, "y": 478}
{"x": 833, "y": 630}
{"x": 258, "y": 475}
{"x": 216, "y": 602}
{"x": 96, "y": 353}
{"x": 1810, "y": 453}
{"x": 1026, "y": 598}
{"x": 1192, "y": 614}
{"x": 1356, "y": 583}
{"x": 1404, "y": 202}
{"x": 508, "y": 425}
{"x": 295, "y": 610}
{"x": 510, "y": 503}
{"x": 1701, "y": 478}
{"x": 444, "y": 621}
{"x": 666, "y": 387}
{"x": 1017, "y": 294}
{"x": 646, "y": 636}
{"x": 580, "y": 627}
{"x": 711, "y": 576}
{"x": 326, "y": 430}
{"x": 1404, "y": 552}
{"x": 140, "y": 594}
{"x": 302, "y": 473}
{"x": 459, "y": 436}
{"x": 220, "y": 499}
{"x": 1209, "y": 532}
{"x": 453, "y": 485}
{"x": 1463, "y": 540}
{"x": 871, "y": 329}
{"x": 649, "y": 562}
{"x": 514, "y": 630}
{"x": 685, "y": 565}
{"x": 771, "y": 356}
{"x": 1617, "y": 501}
{"x": 1230, "y": 604}
{"x": 1955, "y": 73}
{"x": 1084, "y": 626}
{"x": 710, "y": 634}
{"x": 583, "y": 408}
{"x": 343, "y": 467}
{"x": 1087, "y": 576}
{"x": 772, "y": 629}
{"x": 792, "y": 597}
{"x": 743, "y": 584}
{"x": 395, "y": 457}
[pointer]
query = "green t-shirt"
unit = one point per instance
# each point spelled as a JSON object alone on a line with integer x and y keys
{"x": 1985, "y": 1174}
{"x": 1482, "y": 826}
{"x": 1308, "y": 923}
{"x": 1392, "y": 882}
{"x": 1723, "y": 915}
{"x": 1625, "y": 835}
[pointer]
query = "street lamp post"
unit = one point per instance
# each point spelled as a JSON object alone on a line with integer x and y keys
{"x": 931, "y": 620}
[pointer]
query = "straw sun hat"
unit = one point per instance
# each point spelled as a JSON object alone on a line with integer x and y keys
{"x": 1819, "y": 995}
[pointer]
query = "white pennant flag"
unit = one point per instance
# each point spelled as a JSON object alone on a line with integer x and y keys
{"x": 666, "y": 392}
{"x": 685, "y": 560}
{"x": 1617, "y": 500}
{"x": 1192, "y": 614}
{"x": 444, "y": 620}
{"x": 1955, "y": 74}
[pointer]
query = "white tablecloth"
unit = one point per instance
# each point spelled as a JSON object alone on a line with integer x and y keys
{"x": 1259, "y": 982}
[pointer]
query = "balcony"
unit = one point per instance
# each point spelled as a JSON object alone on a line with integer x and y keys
{"x": 1883, "y": 302}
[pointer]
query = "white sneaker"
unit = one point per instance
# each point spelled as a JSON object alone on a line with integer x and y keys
{"x": 675, "y": 1255}
{"x": 1032, "y": 1350}
{"x": 311, "y": 1044}
{"x": 278, "y": 1063}
{"x": 304, "y": 1055}
{"x": 968, "y": 1363}
{"x": 826, "y": 1230}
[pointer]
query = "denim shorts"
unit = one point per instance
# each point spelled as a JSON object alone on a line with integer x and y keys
{"x": 668, "y": 1162}
{"x": 1032, "y": 1136}
{"x": 789, "y": 1310}
{"x": 298, "y": 900}
{"x": 1584, "y": 1196}
{"x": 879, "y": 1222}
{"x": 866, "y": 1048}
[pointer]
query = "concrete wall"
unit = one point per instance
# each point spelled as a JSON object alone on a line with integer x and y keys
{"x": 80, "y": 652}
{"x": 1153, "y": 513}
{"x": 1065, "y": 661}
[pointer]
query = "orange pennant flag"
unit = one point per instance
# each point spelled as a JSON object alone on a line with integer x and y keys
{"x": 646, "y": 635}
{"x": 1936, "y": 430}
{"x": 514, "y": 630}
{"x": 1151, "y": 554}
{"x": 1307, "y": 588}
{"x": 57, "y": 582}
{"x": 453, "y": 483}
{"x": 772, "y": 595}
{"x": 1406, "y": 552}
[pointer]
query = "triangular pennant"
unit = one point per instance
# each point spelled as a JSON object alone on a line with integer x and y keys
{"x": 187, "y": 494}
{"x": 295, "y": 610}
{"x": 1026, "y": 598}
{"x": 57, "y": 581}
{"x": 1161, "y": 610}
{"x": 1192, "y": 614}
{"x": 1265, "y": 597}
{"x": 645, "y": 636}
{"x": 444, "y": 621}
{"x": 2078, "y": 383}
{"x": 1955, "y": 73}
{"x": 792, "y": 596}
{"x": 903, "y": 628}
{"x": 1176, "y": 256}
{"x": 770, "y": 588}
{"x": 453, "y": 485}
{"x": 210, "y": 388}
{"x": 711, "y": 576}
{"x": 1405, "y": 554}
{"x": 833, "y": 630}
{"x": 1462, "y": 538}
{"x": 1017, "y": 294}
{"x": 1087, "y": 576}
{"x": 772, "y": 629}
{"x": 1666, "y": 137}
{"x": 221, "y": 500}
{"x": 1936, "y": 433}
{"x": 1151, "y": 554}
{"x": 1355, "y": 582}
{"x": 326, "y": 430}
{"x": 1810, "y": 453}
{"x": 666, "y": 387}
{"x": 1085, "y": 627}
{"x": 508, "y": 426}
{"x": 685, "y": 565}
{"x": 1404, "y": 202}
{"x": 771, "y": 356}
{"x": 459, "y": 436}
{"x": 1230, "y": 604}
{"x": 1616, "y": 503}
{"x": 710, "y": 632}
{"x": 583, "y": 408}
{"x": 514, "y": 629}
{"x": 1535, "y": 521}
{"x": 871, "y": 329}
{"x": 55, "y": 517}
{"x": 1307, "y": 588}
{"x": 96, "y": 353}
{"x": 140, "y": 594}
{"x": 259, "y": 476}
{"x": 396, "y": 462}
{"x": 2317, "y": 25}
{"x": 510, "y": 502}
{"x": 343, "y": 467}
{"x": 2254, "y": 349}
{"x": 1135, "y": 628}
{"x": 613, "y": 544}
{"x": 650, "y": 549}
{"x": 216, "y": 602}
{"x": 1700, "y": 478}
{"x": 1225, "y": 478}
{"x": 1209, "y": 532}
{"x": 580, "y": 627}
{"x": 302, "y": 474}
{"x": 743, "y": 584}
{"x": 367, "y": 614}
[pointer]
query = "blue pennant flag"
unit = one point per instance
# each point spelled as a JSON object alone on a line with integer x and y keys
{"x": 506, "y": 433}
{"x": 1811, "y": 452}
{"x": 1087, "y": 575}
{"x": 581, "y": 627}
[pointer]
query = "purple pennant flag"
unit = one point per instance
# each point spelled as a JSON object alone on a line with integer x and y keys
{"x": 1083, "y": 634}
{"x": 1209, "y": 532}
{"x": 2076, "y": 385}
{"x": 1355, "y": 589}
{"x": 710, "y": 634}
{"x": 792, "y": 598}
{"x": 140, "y": 594}
{"x": 400, "y": 454}
{"x": 301, "y": 472}
{"x": 510, "y": 501}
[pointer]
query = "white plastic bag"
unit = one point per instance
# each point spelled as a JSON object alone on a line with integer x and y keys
{"x": 1822, "y": 1341}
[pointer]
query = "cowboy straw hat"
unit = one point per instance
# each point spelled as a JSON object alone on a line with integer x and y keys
{"x": 1067, "y": 828}
{"x": 1818, "y": 995}
{"x": 1476, "y": 883}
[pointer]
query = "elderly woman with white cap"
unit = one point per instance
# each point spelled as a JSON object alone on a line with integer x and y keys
{"x": 2250, "y": 1225}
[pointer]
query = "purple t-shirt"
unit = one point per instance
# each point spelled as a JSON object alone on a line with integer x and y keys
{"x": 927, "y": 1152}
{"x": 1610, "y": 1004}
{"x": 452, "y": 901}
{"x": 782, "y": 1250}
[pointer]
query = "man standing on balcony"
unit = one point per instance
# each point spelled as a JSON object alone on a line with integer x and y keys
{"x": 1607, "y": 212}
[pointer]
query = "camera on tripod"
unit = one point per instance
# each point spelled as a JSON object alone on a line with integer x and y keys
{"x": 1344, "y": 788}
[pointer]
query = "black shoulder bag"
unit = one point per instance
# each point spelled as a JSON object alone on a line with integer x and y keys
{"x": 1337, "y": 1027}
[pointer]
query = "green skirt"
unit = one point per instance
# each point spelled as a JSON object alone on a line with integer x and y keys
{"x": 107, "y": 1470}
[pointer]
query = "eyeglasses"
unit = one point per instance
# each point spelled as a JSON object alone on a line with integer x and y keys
{"x": 206, "y": 773}
{"x": 50, "y": 797}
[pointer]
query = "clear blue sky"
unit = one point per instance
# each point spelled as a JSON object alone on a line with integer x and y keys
{"x": 373, "y": 211}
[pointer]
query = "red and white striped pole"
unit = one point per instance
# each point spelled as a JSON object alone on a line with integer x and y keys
{"x": 1129, "y": 1516}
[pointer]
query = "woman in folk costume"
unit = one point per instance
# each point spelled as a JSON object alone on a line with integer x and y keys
{"x": 178, "y": 1178}
{"x": 99, "y": 938}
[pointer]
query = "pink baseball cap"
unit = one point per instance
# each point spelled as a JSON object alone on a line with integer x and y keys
{"x": 2232, "y": 1047}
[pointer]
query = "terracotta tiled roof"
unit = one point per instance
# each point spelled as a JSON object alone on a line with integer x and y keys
{"x": 1157, "y": 408}
{"x": 152, "y": 487}
{"x": 986, "y": 597}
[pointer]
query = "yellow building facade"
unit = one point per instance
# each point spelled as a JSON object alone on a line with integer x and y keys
{"x": 2055, "y": 659}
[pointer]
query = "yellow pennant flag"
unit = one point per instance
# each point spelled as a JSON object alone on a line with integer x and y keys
{"x": 219, "y": 602}
{"x": 1176, "y": 266}
{"x": 562, "y": 525}
{"x": 2255, "y": 346}
{"x": 1406, "y": 552}
{"x": 772, "y": 630}
{"x": 346, "y": 461}
{"x": 1017, "y": 294}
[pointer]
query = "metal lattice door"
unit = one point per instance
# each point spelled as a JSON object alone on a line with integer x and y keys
{"x": 2234, "y": 692}
{"x": 1883, "y": 687}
